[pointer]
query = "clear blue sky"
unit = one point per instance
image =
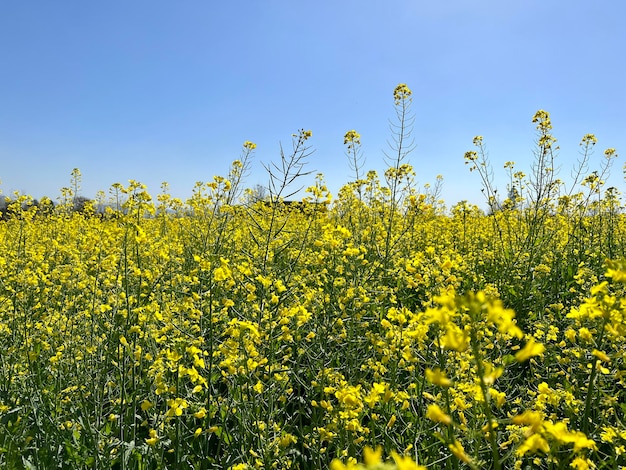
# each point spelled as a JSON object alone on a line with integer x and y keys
{"x": 169, "y": 90}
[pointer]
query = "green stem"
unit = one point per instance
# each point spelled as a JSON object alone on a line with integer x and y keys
{"x": 592, "y": 379}
{"x": 495, "y": 453}
{"x": 441, "y": 360}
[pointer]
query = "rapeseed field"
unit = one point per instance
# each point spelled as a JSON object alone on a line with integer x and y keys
{"x": 369, "y": 329}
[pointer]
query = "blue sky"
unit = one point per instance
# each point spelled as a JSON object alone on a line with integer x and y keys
{"x": 169, "y": 91}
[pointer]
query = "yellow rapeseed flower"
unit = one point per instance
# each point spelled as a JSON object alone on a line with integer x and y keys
{"x": 153, "y": 439}
{"x": 405, "y": 463}
{"x": 459, "y": 452}
{"x": 582, "y": 463}
{"x": 286, "y": 440}
{"x": 601, "y": 355}
{"x": 533, "y": 444}
{"x": 249, "y": 145}
{"x": 531, "y": 349}
{"x": 352, "y": 137}
{"x": 437, "y": 377}
{"x": 371, "y": 456}
{"x": 436, "y": 414}
{"x": 337, "y": 464}
{"x": 401, "y": 92}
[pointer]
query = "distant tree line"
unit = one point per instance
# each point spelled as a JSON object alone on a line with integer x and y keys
{"x": 46, "y": 206}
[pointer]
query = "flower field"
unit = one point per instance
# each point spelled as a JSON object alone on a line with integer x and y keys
{"x": 373, "y": 326}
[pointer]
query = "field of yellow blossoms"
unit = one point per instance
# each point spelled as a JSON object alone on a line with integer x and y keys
{"x": 368, "y": 329}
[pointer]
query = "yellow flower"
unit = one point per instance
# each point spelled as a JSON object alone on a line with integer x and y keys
{"x": 221, "y": 273}
{"x": 503, "y": 318}
{"x": 350, "y": 396}
{"x": 286, "y": 440}
{"x": 352, "y": 137}
{"x": 531, "y": 349}
{"x": 581, "y": 463}
{"x": 459, "y": 452}
{"x": 608, "y": 434}
{"x": 601, "y": 355}
{"x": 405, "y": 463}
{"x": 337, "y": 464}
{"x": 258, "y": 387}
{"x": 401, "y": 92}
{"x": 140, "y": 236}
{"x": 455, "y": 338}
{"x": 530, "y": 418}
{"x": 533, "y": 444}
{"x": 176, "y": 406}
{"x": 240, "y": 466}
{"x": 601, "y": 288}
{"x": 560, "y": 432}
{"x": 436, "y": 414}
{"x": 371, "y": 456}
{"x": 585, "y": 334}
{"x": 498, "y": 397}
{"x": 617, "y": 275}
{"x": 437, "y": 377}
{"x": 570, "y": 334}
{"x": 146, "y": 405}
{"x": 153, "y": 439}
